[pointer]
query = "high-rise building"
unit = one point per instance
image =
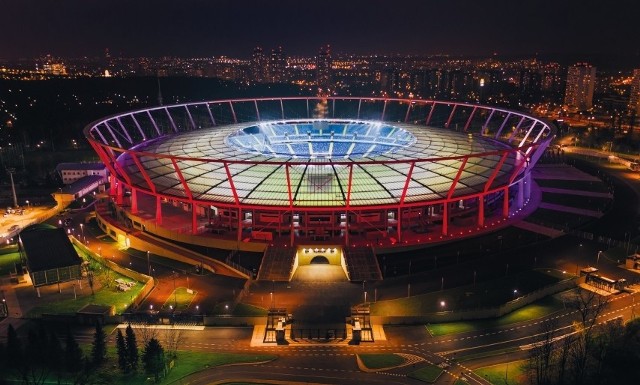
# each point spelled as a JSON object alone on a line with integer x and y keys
{"x": 581, "y": 80}
{"x": 259, "y": 65}
{"x": 323, "y": 67}
{"x": 634, "y": 99}
{"x": 277, "y": 64}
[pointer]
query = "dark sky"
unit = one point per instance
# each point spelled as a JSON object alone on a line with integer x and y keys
{"x": 233, "y": 27}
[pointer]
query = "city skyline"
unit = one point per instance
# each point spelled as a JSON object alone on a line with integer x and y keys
{"x": 198, "y": 28}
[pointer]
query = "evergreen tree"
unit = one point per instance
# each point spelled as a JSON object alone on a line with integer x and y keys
{"x": 72, "y": 354}
{"x": 153, "y": 358}
{"x": 55, "y": 352}
{"x": 14, "y": 347}
{"x": 99, "y": 348}
{"x": 132, "y": 348}
{"x": 121, "y": 347}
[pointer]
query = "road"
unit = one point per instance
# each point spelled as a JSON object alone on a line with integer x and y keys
{"x": 337, "y": 364}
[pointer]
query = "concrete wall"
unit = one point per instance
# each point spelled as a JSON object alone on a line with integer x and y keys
{"x": 161, "y": 247}
{"x": 149, "y": 282}
{"x": 187, "y": 237}
{"x": 450, "y": 316}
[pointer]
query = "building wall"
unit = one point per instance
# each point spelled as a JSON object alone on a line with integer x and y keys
{"x": 71, "y": 175}
{"x": 634, "y": 99}
{"x": 581, "y": 80}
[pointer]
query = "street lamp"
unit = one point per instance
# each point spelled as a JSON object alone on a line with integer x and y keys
{"x": 148, "y": 264}
{"x": 28, "y": 205}
{"x": 443, "y": 304}
{"x": 598, "y": 258}
{"x": 82, "y": 231}
{"x": 515, "y": 293}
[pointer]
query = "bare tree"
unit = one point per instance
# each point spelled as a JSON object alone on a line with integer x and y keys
{"x": 589, "y": 306}
{"x": 541, "y": 355}
{"x": 146, "y": 333}
{"x": 173, "y": 338}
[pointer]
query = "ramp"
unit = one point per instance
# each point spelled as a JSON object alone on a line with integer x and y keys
{"x": 277, "y": 264}
{"x": 362, "y": 264}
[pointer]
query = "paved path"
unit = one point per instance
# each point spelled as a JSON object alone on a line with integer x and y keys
{"x": 576, "y": 192}
{"x": 571, "y": 210}
{"x": 563, "y": 172}
{"x": 535, "y": 228}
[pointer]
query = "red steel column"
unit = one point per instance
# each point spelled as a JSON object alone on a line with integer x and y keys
{"x": 158, "y": 210}
{"x": 445, "y": 218}
{"x": 119, "y": 194}
{"x": 481, "y": 210}
{"x": 291, "y": 229}
{"x": 348, "y": 204}
{"x": 194, "y": 218}
{"x": 505, "y": 204}
{"x": 134, "y": 201}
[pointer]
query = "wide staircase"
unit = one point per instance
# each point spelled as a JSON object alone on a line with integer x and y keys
{"x": 362, "y": 264}
{"x": 277, "y": 264}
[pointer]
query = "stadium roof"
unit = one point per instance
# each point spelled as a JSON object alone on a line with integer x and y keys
{"x": 47, "y": 247}
{"x": 317, "y": 181}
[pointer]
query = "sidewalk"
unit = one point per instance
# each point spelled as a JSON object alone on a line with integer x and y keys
{"x": 257, "y": 338}
{"x": 571, "y": 210}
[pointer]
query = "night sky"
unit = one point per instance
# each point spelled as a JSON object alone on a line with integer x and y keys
{"x": 31, "y": 28}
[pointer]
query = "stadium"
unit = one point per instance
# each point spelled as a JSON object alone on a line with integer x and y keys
{"x": 318, "y": 172}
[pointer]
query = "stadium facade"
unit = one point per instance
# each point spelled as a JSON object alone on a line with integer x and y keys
{"x": 307, "y": 170}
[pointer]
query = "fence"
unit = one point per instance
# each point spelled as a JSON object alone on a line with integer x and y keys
{"x": 494, "y": 312}
{"x": 149, "y": 282}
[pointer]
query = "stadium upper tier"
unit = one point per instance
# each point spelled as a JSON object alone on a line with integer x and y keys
{"x": 363, "y": 153}
{"x": 320, "y": 138}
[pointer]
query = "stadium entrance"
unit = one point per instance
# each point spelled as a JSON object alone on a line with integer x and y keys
{"x": 319, "y": 264}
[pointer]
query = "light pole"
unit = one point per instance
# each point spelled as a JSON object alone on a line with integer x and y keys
{"x": 598, "y": 257}
{"x": 28, "y": 205}
{"x": 175, "y": 295}
{"x": 13, "y": 187}
{"x": 82, "y": 231}
{"x": 148, "y": 264}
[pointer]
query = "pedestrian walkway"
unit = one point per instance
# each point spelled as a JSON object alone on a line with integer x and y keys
{"x": 576, "y": 192}
{"x": 561, "y": 172}
{"x": 571, "y": 210}
{"x": 175, "y": 326}
{"x": 536, "y": 228}
{"x": 598, "y": 291}
{"x": 257, "y": 338}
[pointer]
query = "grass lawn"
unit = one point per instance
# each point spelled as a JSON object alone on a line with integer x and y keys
{"x": 103, "y": 295}
{"x": 380, "y": 361}
{"x": 530, "y": 312}
{"x": 460, "y": 382}
{"x": 246, "y": 310}
{"x": 511, "y": 373}
{"x": 484, "y": 294}
{"x": 187, "y": 363}
{"x": 180, "y": 299}
{"x": 8, "y": 262}
{"x": 429, "y": 373}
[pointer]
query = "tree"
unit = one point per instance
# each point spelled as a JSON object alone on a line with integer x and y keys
{"x": 173, "y": 337}
{"x": 72, "y": 354}
{"x": 541, "y": 353}
{"x": 153, "y": 358}
{"x": 99, "y": 348}
{"x": 132, "y": 348}
{"x": 14, "y": 347}
{"x": 590, "y": 306}
{"x": 121, "y": 347}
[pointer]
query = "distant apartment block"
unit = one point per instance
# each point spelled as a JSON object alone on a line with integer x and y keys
{"x": 581, "y": 80}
